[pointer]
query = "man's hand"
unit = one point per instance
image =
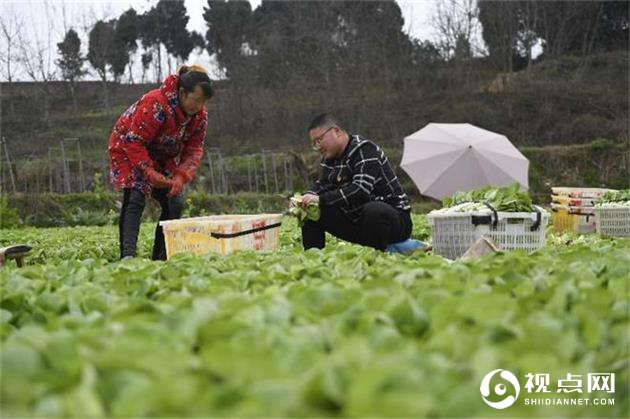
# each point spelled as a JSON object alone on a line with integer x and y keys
{"x": 310, "y": 198}
{"x": 156, "y": 179}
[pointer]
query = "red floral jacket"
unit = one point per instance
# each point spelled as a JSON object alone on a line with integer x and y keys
{"x": 155, "y": 132}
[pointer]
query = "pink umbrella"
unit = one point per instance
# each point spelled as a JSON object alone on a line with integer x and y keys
{"x": 442, "y": 159}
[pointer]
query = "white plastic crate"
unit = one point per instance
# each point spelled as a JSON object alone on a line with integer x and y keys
{"x": 454, "y": 233}
{"x": 222, "y": 233}
{"x": 573, "y": 202}
{"x": 580, "y": 192}
{"x": 612, "y": 221}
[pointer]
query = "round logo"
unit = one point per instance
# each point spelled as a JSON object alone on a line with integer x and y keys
{"x": 499, "y": 389}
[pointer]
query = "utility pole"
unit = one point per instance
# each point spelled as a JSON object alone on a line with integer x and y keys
{"x": 264, "y": 161}
{"x": 249, "y": 172}
{"x": 221, "y": 185}
{"x": 275, "y": 172}
{"x": 225, "y": 164}
{"x": 209, "y": 158}
{"x": 256, "y": 172}
{"x": 66, "y": 175}
{"x": 286, "y": 174}
{"x": 50, "y": 171}
{"x": 6, "y": 154}
{"x": 290, "y": 164}
{"x": 81, "y": 175}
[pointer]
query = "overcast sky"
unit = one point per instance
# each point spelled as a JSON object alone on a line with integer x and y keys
{"x": 38, "y": 17}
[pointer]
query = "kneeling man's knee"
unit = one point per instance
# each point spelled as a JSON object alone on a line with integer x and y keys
{"x": 374, "y": 211}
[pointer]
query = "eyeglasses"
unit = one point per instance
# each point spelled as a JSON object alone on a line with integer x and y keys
{"x": 315, "y": 142}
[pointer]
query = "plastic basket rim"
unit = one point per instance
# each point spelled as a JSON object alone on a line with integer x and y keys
{"x": 570, "y": 198}
{"x": 572, "y": 209}
{"x": 617, "y": 208}
{"x": 580, "y": 189}
{"x": 500, "y": 214}
{"x": 207, "y": 219}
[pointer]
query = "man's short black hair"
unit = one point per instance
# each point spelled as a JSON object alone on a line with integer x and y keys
{"x": 324, "y": 120}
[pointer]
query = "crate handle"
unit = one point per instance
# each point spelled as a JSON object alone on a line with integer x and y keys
{"x": 496, "y": 216}
{"x": 536, "y": 224}
{"x": 486, "y": 219}
{"x": 243, "y": 233}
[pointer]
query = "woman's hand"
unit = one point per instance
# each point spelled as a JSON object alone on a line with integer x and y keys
{"x": 177, "y": 185}
{"x": 157, "y": 179}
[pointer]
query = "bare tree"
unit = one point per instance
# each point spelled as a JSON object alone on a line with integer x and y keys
{"x": 526, "y": 37}
{"x": 36, "y": 57}
{"x": 457, "y": 25}
{"x": 10, "y": 27}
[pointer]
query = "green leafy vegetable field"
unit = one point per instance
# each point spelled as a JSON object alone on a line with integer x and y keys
{"x": 347, "y": 331}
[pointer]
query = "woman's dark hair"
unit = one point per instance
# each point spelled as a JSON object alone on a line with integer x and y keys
{"x": 191, "y": 76}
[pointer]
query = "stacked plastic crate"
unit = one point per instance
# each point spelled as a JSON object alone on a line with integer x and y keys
{"x": 573, "y": 209}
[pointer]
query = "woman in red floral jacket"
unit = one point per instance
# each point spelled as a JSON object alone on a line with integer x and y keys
{"x": 155, "y": 148}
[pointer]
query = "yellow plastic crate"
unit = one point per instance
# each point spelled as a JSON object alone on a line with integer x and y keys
{"x": 222, "y": 234}
{"x": 577, "y": 219}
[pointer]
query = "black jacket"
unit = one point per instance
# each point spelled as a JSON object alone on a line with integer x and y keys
{"x": 362, "y": 174}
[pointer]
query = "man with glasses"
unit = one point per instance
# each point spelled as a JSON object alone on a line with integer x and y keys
{"x": 360, "y": 198}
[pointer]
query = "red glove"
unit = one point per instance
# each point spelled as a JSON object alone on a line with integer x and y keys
{"x": 187, "y": 175}
{"x": 157, "y": 179}
{"x": 177, "y": 184}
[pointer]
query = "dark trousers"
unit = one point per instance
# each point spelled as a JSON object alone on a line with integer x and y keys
{"x": 131, "y": 213}
{"x": 380, "y": 224}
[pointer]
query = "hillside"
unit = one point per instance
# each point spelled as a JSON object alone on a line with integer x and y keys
{"x": 565, "y": 101}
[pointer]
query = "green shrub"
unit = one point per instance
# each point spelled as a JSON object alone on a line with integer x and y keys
{"x": 8, "y": 216}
